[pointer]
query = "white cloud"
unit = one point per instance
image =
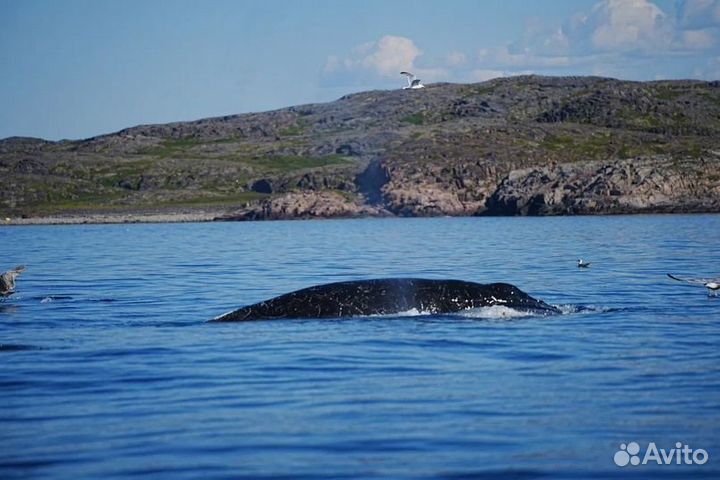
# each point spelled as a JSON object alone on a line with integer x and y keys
{"x": 372, "y": 64}
{"x": 386, "y": 57}
{"x": 628, "y": 24}
{"x": 623, "y": 38}
{"x": 391, "y": 54}
{"x": 633, "y": 39}
{"x": 640, "y": 26}
{"x": 609, "y": 28}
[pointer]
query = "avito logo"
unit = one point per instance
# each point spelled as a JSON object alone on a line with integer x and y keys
{"x": 680, "y": 455}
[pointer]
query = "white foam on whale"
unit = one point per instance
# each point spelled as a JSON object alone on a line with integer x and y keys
{"x": 413, "y": 312}
{"x": 489, "y": 312}
{"x": 495, "y": 311}
{"x": 222, "y": 315}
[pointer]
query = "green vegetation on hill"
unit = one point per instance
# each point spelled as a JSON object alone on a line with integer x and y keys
{"x": 459, "y": 139}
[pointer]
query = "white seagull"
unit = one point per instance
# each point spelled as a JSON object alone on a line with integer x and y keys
{"x": 413, "y": 83}
{"x": 712, "y": 284}
{"x": 583, "y": 264}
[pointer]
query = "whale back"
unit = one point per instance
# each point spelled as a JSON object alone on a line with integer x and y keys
{"x": 386, "y": 297}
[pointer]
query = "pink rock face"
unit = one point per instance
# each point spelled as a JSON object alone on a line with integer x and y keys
{"x": 322, "y": 204}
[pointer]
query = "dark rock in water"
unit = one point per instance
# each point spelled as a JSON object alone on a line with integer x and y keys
{"x": 387, "y": 297}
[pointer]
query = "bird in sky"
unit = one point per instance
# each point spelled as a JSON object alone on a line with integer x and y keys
{"x": 413, "y": 82}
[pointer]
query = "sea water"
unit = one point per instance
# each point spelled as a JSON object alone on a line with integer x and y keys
{"x": 109, "y": 369}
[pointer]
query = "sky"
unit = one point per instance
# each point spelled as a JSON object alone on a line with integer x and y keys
{"x": 72, "y": 69}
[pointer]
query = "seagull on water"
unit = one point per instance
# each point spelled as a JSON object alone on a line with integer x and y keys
{"x": 413, "y": 83}
{"x": 7, "y": 280}
{"x": 712, "y": 284}
{"x": 582, "y": 263}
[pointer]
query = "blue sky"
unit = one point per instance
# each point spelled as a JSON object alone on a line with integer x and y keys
{"x": 79, "y": 68}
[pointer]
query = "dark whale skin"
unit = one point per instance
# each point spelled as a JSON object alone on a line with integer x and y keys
{"x": 387, "y": 297}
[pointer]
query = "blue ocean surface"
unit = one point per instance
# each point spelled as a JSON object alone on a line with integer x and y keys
{"x": 110, "y": 369}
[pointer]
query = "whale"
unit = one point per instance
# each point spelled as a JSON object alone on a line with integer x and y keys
{"x": 388, "y": 296}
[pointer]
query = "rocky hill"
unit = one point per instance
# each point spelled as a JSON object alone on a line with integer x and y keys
{"x": 511, "y": 146}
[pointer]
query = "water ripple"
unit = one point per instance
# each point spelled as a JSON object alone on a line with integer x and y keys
{"x": 117, "y": 375}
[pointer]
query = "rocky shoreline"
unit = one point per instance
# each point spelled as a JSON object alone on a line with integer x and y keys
{"x": 305, "y": 205}
{"x": 636, "y": 186}
{"x": 642, "y": 185}
{"x": 525, "y": 145}
{"x": 113, "y": 218}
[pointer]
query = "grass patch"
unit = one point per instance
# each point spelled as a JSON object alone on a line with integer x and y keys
{"x": 468, "y": 92}
{"x": 172, "y": 147}
{"x": 694, "y": 150}
{"x": 415, "y": 119}
{"x": 667, "y": 93}
{"x": 598, "y": 147}
{"x": 710, "y": 97}
{"x": 99, "y": 204}
{"x": 290, "y": 163}
{"x": 557, "y": 142}
{"x": 124, "y": 171}
{"x": 592, "y": 147}
{"x": 169, "y": 148}
{"x": 242, "y": 197}
{"x": 82, "y": 203}
{"x": 292, "y": 131}
{"x": 641, "y": 121}
{"x": 676, "y": 122}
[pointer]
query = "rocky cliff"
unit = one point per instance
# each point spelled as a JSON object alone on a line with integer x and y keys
{"x": 512, "y": 146}
{"x": 662, "y": 185}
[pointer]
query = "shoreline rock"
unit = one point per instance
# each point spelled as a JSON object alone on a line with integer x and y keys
{"x": 305, "y": 205}
{"x": 641, "y": 185}
{"x": 112, "y": 218}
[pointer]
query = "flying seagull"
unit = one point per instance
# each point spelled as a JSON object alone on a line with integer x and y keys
{"x": 7, "y": 280}
{"x": 413, "y": 82}
{"x": 712, "y": 284}
{"x": 582, "y": 263}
